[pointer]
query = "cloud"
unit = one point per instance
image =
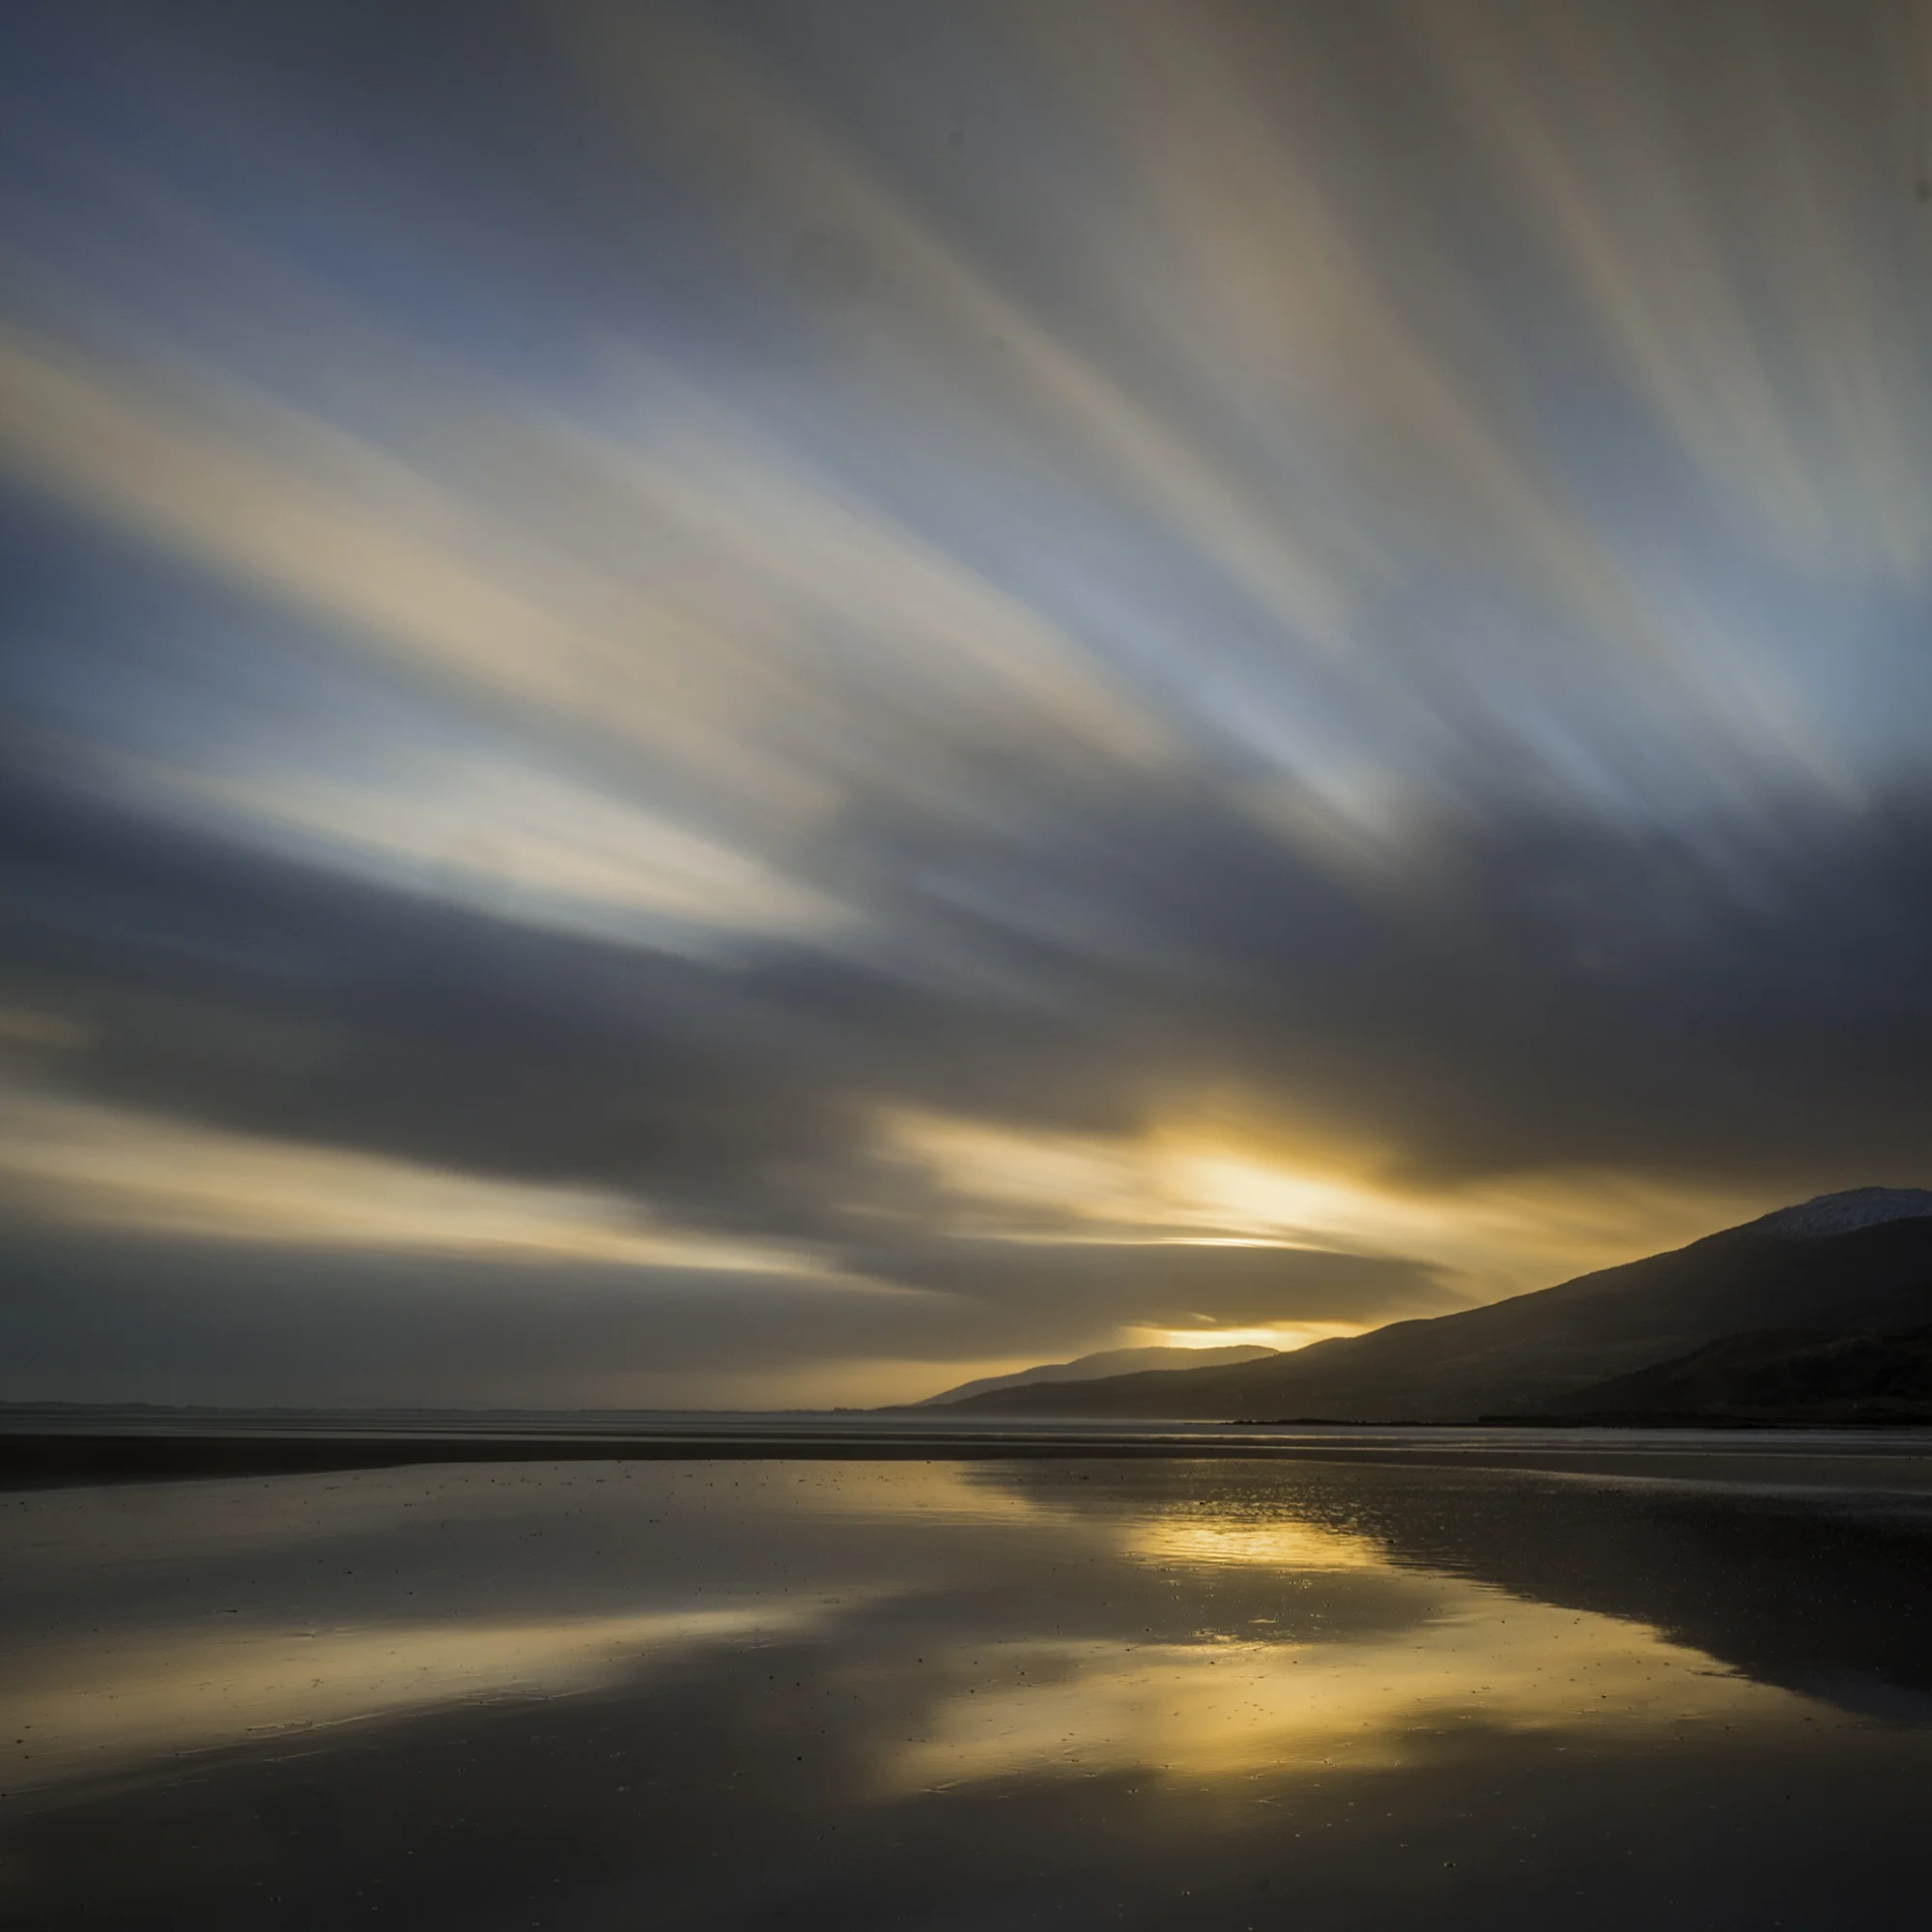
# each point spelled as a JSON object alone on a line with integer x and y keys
{"x": 594, "y": 1094}
{"x": 98, "y": 1167}
{"x": 955, "y": 668}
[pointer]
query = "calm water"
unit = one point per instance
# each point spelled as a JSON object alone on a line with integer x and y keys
{"x": 1050, "y": 1693}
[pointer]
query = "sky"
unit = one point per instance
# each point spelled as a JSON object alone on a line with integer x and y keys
{"x": 755, "y": 704}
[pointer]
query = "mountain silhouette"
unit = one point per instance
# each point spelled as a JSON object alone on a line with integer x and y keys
{"x": 1108, "y": 1362}
{"x": 1842, "y": 1267}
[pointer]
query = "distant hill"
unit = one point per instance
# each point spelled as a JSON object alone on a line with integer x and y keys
{"x": 1108, "y": 1362}
{"x": 1856, "y": 1265}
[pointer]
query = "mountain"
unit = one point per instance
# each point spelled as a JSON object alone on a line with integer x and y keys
{"x": 1844, "y": 1265}
{"x": 1844, "y": 1214}
{"x": 1853, "y": 1378}
{"x": 1108, "y": 1362}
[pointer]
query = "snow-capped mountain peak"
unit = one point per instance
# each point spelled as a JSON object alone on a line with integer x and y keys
{"x": 1843, "y": 1213}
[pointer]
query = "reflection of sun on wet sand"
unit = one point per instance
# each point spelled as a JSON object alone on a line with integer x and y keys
{"x": 1288, "y": 1544}
{"x": 732, "y": 1695}
{"x": 1222, "y": 1704}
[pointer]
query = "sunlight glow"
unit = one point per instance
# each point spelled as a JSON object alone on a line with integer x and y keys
{"x": 1217, "y": 1182}
{"x": 1281, "y": 1335}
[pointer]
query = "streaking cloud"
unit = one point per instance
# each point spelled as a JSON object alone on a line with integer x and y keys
{"x": 1038, "y": 676}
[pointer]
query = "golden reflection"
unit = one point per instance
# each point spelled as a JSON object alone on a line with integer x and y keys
{"x": 84, "y": 1702}
{"x": 1272, "y": 1543}
{"x": 1234, "y": 1701}
{"x": 1341, "y": 1656}
{"x": 1223, "y": 1706}
{"x": 91, "y": 1707}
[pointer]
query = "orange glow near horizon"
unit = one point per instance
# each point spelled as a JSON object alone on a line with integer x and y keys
{"x": 1229, "y": 1183}
{"x": 1286, "y": 1336}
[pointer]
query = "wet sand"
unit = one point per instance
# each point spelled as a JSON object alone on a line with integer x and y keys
{"x": 131, "y": 1445}
{"x": 1370, "y": 1683}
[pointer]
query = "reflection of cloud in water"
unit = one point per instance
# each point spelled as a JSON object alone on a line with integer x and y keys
{"x": 1048, "y": 1620}
{"x": 1223, "y": 1703}
{"x": 1225, "y": 1706}
{"x": 190, "y": 1676}
{"x": 88, "y": 1709}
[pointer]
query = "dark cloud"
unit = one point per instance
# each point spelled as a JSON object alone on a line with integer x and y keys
{"x": 1164, "y": 1285}
{"x": 173, "y": 1320}
{"x": 1562, "y": 960}
{"x": 1526, "y": 993}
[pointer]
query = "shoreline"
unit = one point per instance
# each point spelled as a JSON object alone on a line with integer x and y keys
{"x": 1809, "y": 1457}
